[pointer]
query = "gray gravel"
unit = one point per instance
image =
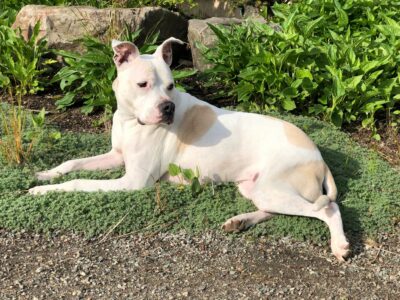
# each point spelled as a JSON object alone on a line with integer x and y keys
{"x": 208, "y": 266}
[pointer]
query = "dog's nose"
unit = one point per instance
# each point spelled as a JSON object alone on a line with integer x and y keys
{"x": 167, "y": 108}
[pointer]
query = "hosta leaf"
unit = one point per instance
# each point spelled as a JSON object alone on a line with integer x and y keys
{"x": 179, "y": 74}
{"x": 343, "y": 20}
{"x": 311, "y": 25}
{"x": 67, "y": 81}
{"x": 387, "y": 85}
{"x": 218, "y": 32}
{"x": 67, "y": 100}
{"x": 289, "y": 91}
{"x": 369, "y": 65}
{"x": 337, "y": 117}
{"x": 303, "y": 73}
{"x": 352, "y": 83}
{"x": 288, "y": 104}
{"x": 371, "y": 78}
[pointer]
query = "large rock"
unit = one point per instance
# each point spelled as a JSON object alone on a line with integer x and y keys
{"x": 200, "y": 32}
{"x": 61, "y": 26}
{"x": 203, "y": 9}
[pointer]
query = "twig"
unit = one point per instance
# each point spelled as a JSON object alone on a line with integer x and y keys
{"x": 391, "y": 252}
{"x": 113, "y": 227}
{"x": 379, "y": 251}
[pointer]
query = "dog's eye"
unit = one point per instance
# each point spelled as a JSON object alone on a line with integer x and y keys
{"x": 142, "y": 84}
{"x": 170, "y": 87}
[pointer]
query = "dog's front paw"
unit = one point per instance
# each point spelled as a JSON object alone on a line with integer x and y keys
{"x": 47, "y": 175}
{"x": 38, "y": 190}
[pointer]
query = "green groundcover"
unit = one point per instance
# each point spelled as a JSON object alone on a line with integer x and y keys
{"x": 369, "y": 193}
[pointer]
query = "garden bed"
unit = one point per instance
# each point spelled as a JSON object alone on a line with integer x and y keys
{"x": 368, "y": 194}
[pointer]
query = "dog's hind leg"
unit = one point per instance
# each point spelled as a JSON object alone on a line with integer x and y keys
{"x": 246, "y": 220}
{"x": 289, "y": 203}
{"x": 108, "y": 160}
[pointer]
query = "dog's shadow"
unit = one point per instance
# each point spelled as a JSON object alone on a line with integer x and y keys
{"x": 345, "y": 168}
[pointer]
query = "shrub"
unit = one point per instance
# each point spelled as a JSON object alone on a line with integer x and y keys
{"x": 337, "y": 59}
{"x": 22, "y": 62}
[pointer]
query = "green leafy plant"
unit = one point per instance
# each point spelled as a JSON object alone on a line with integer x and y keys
{"x": 22, "y": 62}
{"x": 20, "y": 132}
{"x": 330, "y": 58}
{"x": 188, "y": 175}
{"x": 21, "y": 67}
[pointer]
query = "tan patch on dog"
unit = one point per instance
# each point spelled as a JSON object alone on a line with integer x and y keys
{"x": 306, "y": 179}
{"x": 195, "y": 123}
{"x": 297, "y": 137}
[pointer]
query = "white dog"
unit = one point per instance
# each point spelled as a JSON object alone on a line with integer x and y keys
{"x": 273, "y": 162}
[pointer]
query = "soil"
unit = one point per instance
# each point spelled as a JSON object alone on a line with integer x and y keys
{"x": 208, "y": 266}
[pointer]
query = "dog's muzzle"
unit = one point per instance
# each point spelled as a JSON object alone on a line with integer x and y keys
{"x": 167, "y": 110}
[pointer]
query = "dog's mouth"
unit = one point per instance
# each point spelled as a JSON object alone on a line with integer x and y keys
{"x": 166, "y": 119}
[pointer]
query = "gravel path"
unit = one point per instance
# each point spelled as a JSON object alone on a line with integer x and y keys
{"x": 208, "y": 266}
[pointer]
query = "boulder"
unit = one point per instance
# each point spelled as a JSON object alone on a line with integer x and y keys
{"x": 200, "y": 32}
{"x": 62, "y": 26}
{"x": 203, "y": 9}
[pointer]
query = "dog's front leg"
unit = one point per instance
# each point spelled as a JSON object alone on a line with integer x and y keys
{"x": 89, "y": 185}
{"x": 138, "y": 175}
{"x": 108, "y": 160}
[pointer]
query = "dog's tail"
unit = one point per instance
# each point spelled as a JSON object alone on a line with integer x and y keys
{"x": 330, "y": 188}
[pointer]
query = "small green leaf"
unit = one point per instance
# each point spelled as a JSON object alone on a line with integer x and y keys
{"x": 288, "y": 104}
{"x": 337, "y": 117}
{"x": 352, "y": 83}
{"x": 67, "y": 100}
{"x": 174, "y": 170}
{"x": 180, "y": 74}
{"x": 196, "y": 187}
{"x": 188, "y": 174}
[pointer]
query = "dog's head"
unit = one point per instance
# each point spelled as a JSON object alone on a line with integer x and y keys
{"x": 144, "y": 86}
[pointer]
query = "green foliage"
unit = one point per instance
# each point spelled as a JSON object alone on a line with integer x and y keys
{"x": 22, "y": 62}
{"x": 20, "y": 133}
{"x": 188, "y": 175}
{"x": 368, "y": 195}
{"x": 338, "y": 59}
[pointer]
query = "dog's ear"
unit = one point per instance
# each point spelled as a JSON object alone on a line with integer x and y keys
{"x": 165, "y": 50}
{"x": 124, "y": 52}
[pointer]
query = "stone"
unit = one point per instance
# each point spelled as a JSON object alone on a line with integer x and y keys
{"x": 203, "y": 9}
{"x": 62, "y": 26}
{"x": 200, "y": 32}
